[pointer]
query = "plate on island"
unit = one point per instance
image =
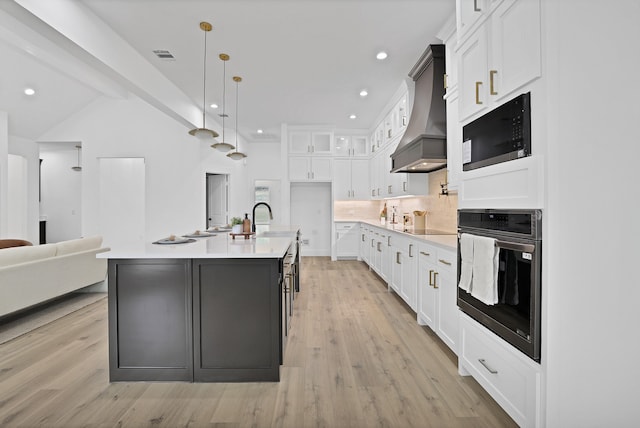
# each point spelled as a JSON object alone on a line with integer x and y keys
{"x": 199, "y": 235}
{"x": 167, "y": 241}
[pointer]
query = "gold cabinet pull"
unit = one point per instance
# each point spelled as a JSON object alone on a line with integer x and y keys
{"x": 444, "y": 262}
{"x": 478, "y": 92}
{"x": 445, "y": 81}
{"x": 424, "y": 254}
{"x": 475, "y": 6}
{"x": 435, "y": 279}
{"x": 430, "y": 277}
{"x": 492, "y": 89}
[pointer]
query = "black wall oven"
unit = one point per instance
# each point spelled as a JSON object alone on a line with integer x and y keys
{"x": 518, "y": 236}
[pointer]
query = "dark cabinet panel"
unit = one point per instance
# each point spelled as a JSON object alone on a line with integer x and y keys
{"x": 150, "y": 330}
{"x": 236, "y": 319}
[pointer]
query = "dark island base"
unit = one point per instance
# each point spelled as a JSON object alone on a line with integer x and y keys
{"x": 195, "y": 320}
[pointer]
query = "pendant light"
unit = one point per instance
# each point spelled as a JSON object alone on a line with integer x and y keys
{"x": 77, "y": 167}
{"x": 223, "y": 146}
{"x": 204, "y": 133}
{"x": 236, "y": 155}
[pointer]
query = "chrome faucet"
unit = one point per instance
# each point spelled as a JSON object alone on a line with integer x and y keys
{"x": 253, "y": 214}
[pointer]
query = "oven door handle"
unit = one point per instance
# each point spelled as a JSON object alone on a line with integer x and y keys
{"x": 515, "y": 246}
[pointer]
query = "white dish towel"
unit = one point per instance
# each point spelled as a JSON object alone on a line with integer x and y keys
{"x": 466, "y": 261}
{"x": 485, "y": 270}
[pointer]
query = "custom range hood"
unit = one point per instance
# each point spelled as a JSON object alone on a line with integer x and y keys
{"x": 423, "y": 146}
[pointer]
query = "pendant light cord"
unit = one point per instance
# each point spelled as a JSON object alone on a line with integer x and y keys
{"x": 224, "y": 95}
{"x": 204, "y": 79}
{"x": 237, "y": 147}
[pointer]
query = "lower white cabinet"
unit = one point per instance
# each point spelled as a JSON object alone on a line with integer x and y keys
{"x": 347, "y": 240}
{"x": 437, "y": 306}
{"x": 365, "y": 249}
{"x": 510, "y": 377}
{"x": 404, "y": 273}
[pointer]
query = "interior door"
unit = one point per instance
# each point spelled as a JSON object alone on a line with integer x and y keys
{"x": 217, "y": 199}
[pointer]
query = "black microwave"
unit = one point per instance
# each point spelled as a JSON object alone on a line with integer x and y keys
{"x": 501, "y": 135}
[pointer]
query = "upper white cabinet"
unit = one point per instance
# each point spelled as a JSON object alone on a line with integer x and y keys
{"x": 311, "y": 142}
{"x": 351, "y": 179}
{"x": 500, "y": 56}
{"x": 308, "y": 168}
{"x": 454, "y": 143}
{"x": 515, "y": 46}
{"x": 468, "y": 12}
{"x": 351, "y": 146}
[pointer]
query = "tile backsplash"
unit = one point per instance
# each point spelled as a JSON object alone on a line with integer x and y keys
{"x": 441, "y": 209}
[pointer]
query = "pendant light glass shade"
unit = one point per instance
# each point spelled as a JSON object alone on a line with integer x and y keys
{"x": 204, "y": 133}
{"x": 223, "y": 146}
{"x": 77, "y": 167}
{"x": 237, "y": 155}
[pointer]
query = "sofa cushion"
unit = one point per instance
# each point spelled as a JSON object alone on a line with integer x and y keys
{"x": 17, "y": 255}
{"x": 78, "y": 245}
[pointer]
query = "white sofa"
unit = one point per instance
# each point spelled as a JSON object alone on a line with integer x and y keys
{"x": 34, "y": 274}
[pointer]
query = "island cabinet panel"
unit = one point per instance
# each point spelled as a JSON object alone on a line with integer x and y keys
{"x": 150, "y": 329}
{"x": 236, "y": 313}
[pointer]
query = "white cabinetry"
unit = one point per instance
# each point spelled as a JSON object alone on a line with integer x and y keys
{"x": 404, "y": 269}
{"x": 454, "y": 142}
{"x": 351, "y": 146}
{"x": 347, "y": 240}
{"x": 365, "y": 250}
{"x": 468, "y": 12}
{"x": 307, "y": 142}
{"x": 500, "y": 56}
{"x": 510, "y": 377}
{"x": 308, "y": 168}
{"x": 351, "y": 179}
{"x": 437, "y": 307}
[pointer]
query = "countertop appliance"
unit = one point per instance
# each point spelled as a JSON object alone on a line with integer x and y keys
{"x": 518, "y": 235}
{"x": 501, "y": 135}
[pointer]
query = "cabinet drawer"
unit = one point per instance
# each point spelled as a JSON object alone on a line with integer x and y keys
{"x": 427, "y": 253}
{"x": 511, "y": 380}
{"x": 344, "y": 227}
{"x": 447, "y": 261}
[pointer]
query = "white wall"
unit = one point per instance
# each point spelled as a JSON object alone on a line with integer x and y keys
{"x": 591, "y": 288}
{"x": 17, "y": 197}
{"x": 4, "y": 174}
{"x": 61, "y": 203}
{"x": 176, "y": 164}
{"x": 28, "y": 150}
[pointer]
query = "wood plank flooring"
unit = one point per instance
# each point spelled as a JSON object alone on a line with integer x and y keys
{"x": 356, "y": 358}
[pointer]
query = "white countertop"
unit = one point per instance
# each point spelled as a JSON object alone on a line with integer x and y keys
{"x": 447, "y": 241}
{"x": 219, "y": 246}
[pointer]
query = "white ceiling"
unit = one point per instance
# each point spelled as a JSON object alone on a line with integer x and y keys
{"x": 302, "y": 61}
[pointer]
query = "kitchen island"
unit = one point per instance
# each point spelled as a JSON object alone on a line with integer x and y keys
{"x": 204, "y": 311}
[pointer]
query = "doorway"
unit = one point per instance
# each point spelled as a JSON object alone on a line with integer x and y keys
{"x": 217, "y": 199}
{"x": 311, "y": 210}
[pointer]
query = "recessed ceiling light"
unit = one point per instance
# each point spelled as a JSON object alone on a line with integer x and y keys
{"x": 364, "y": 93}
{"x": 353, "y": 116}
{"x": 29, "y": 91}
{"x": 214, "y": 105}
{"x": 259, "y": 131}
{"x": 381, "y": 55}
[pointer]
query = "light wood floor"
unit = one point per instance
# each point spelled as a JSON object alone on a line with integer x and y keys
{"x": 356, "y": 358}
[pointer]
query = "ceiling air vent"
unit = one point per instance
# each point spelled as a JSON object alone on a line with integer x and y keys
{"x": 164, "y": 55}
